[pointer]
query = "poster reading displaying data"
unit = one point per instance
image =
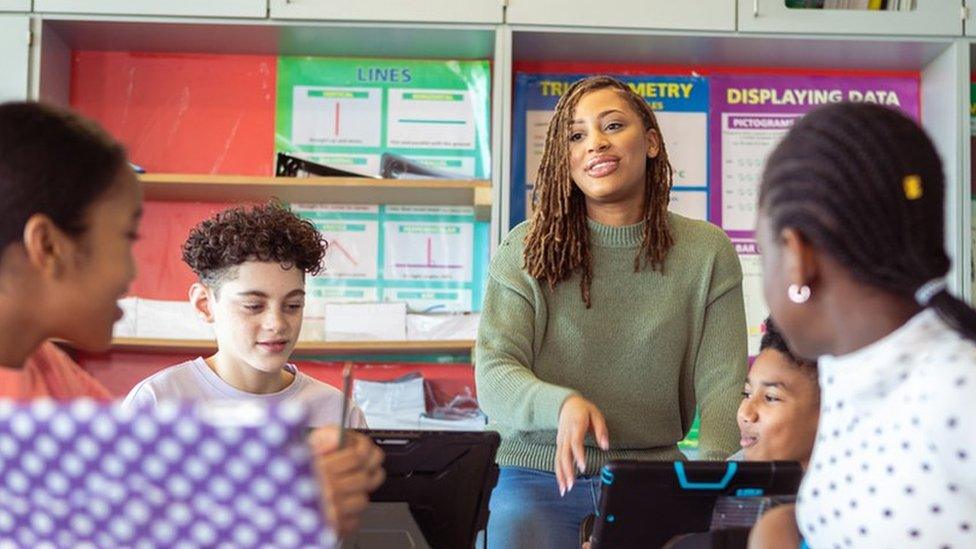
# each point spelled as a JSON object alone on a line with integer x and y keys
{"x": 347, "y": 113}
{"x": 749, "y": 115}
{"x": 431, "y": 257}
{"x": 679, "y": 102}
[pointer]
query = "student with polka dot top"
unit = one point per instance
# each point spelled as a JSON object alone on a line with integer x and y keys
{"x": 851, "y": 228}
{"x": 68, "y": 219}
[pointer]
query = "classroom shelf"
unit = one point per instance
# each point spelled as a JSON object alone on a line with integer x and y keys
{"x": 302, "y": 349}
{"x": 335, "y": 190}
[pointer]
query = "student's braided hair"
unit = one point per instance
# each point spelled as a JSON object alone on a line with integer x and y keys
{"x": 864, "y": 183}
{"x": 558, "y": 242}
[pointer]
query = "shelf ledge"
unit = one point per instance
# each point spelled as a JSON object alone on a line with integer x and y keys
{"x": 303, "y": 349}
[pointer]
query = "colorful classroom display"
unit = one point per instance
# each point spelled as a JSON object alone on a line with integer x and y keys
{"x": 972, "y": 139}
{"x": 747, "y": 119}
{"x": 347, "y": 113}
{"x": 681, "y": 106}
{"x": 718, "y": 131}
{"x": 432, "y": 258}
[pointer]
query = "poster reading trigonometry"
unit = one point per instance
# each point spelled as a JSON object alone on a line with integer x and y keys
{"x": 749, "y": 116}
{"x": 680, "y": 104}
{"x": 347, "y": 112}
{"x": 431, "y": 257}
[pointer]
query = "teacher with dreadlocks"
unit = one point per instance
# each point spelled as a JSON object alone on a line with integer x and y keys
{"x": 607, "y": 320}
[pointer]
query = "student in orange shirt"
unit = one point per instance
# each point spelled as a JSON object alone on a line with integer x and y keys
{"x": 69, "y": 216}
{"x": 50, "y": 373}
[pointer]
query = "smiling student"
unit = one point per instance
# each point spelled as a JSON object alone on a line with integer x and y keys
{"x": 780, "y": 406}
{"x": 605, "y": 315}
{"x": 251, "y": 265}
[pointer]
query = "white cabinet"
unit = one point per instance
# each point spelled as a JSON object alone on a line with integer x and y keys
{"x": 15, "y": 5}
{"x": 970, "y": 22}
{"x": 423, "y": 11}
{"x": 14, "y": 55}
{"x": 644, "y": 14}
{"x": 930, "y": 17}
{"x": 186, "y": 8}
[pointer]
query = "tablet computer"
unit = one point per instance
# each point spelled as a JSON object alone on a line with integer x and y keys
{"x": 84, "y": 474}
{"x": 645, "y": 504}
{"x": 439, "y": 480}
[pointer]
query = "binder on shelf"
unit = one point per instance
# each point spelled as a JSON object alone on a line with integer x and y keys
{"x": 287, "y": 165}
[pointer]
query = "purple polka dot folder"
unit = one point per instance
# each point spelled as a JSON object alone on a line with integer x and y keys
{"x": 83, "y": 474}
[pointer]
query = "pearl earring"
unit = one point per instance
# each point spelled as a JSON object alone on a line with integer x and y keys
{"x": 798, "y": 294}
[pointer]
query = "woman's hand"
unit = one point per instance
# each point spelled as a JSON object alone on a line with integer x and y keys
{"x": 347, "y": 475}
{"x": 577, "y": 417}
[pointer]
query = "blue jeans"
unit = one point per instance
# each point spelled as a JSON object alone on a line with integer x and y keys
{"x": 526, "y": 510}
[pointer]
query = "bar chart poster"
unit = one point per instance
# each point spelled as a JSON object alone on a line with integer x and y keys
{"x": 346, "y": 113}
{"x": 434, "y": 258}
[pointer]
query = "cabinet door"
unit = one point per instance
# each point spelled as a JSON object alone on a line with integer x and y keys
{"x": 433, "y": 11}
{"x": 649, "y": 14}
{"x": 189, "y": 8}
{"x": 14, "y": 53}
{"x": 930, "y": 17}
{"x": 15, "y": 5}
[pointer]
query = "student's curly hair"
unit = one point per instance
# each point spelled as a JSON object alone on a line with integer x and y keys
{"x": 269, "y": 232}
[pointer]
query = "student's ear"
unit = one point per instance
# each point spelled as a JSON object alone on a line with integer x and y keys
{"x": 653, "y": 143}
{"x": 202, "y": 299}
{"x": 47, "y": 247}
{"x": 799, "y": 258}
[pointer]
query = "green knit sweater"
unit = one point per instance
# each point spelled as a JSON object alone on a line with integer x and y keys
{"x": 651, "y": 347}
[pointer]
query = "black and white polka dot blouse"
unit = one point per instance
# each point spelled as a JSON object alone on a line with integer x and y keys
{"x": 895, "y": 459}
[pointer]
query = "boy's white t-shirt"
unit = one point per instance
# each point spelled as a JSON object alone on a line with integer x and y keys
{"x": 194, "y": 381}
{"x": 894, "y": 464}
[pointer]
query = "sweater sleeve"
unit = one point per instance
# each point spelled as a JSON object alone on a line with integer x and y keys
{"x": 508, "y": 391}
{"x": 721, "y": 361}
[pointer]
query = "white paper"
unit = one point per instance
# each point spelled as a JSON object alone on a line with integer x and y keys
{"x": 126, "y": 326}
{"x": 313, "y": 320}
{"x": 752, "y": 293}
{"x": 744, "y": 152}
{"x": 170, "y": 320}
{"x": 693, "y": 204}
{"x": 430, "y": 119}
{"x": 428, "y": 251}
{"x": 385, "y": 321}
{"x": 336, "y": 116}
{"x": 395, "y": 404}
{"x": 442, "y": 327}
{"x": 476, "y": 422}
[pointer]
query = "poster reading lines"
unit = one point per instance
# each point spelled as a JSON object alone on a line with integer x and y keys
{"x": 366, "y": 115}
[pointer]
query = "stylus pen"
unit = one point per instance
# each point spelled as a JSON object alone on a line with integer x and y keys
{"x": 346, "y": 402}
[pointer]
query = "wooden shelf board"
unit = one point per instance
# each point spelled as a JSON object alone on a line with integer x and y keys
{"x": 304, "y": 348}
{"x": 336, "y": 190}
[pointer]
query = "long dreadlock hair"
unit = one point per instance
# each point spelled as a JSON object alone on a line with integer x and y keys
{"x": 864, "y": 183}
{"x": 558, "y": 241}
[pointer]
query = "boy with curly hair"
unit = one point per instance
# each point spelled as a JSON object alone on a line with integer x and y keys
{"x": 251, "y": 265}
